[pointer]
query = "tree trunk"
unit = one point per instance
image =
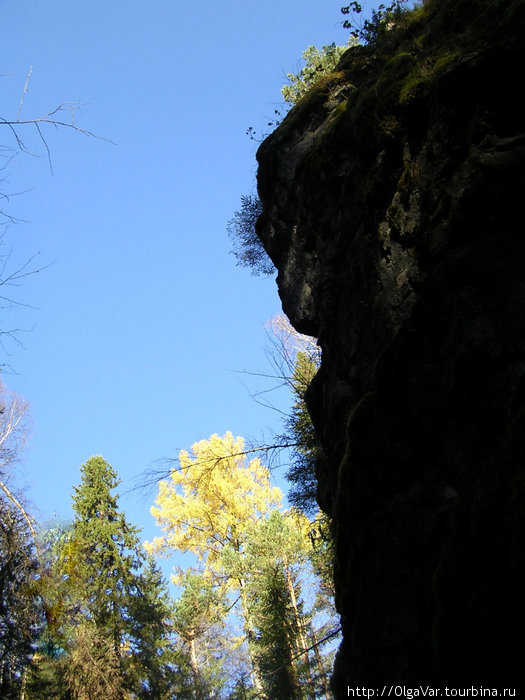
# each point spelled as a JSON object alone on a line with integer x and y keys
{"x": 299, "y": 625}
{"x": 248, "y": 628}
{"x": 320, "y": 668}
{"x": 195, "y": 667}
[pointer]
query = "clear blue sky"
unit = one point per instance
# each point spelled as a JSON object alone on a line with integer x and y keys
{"x": 143, "y": 317}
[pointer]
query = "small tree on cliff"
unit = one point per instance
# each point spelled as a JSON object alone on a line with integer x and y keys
{"x": 247, "y": 246}
{"x": 371, "y": 30}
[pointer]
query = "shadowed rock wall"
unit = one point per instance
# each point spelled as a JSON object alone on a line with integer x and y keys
{"x": 393, "y": 202}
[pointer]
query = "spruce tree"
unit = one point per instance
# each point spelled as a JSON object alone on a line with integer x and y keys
{"x": 275, "y": 642}
{"x": 105, "y": 549}
{"x": 121, "y": 598}
{"x": 300, "y": 430}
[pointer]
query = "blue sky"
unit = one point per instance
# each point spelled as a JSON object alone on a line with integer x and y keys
{"x": 143, "y": 319}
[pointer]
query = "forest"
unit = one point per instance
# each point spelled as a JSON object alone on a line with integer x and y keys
{"x": 86, "y": 613}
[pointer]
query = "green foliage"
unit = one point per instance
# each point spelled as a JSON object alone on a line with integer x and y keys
{"x": 19, "y": 619}
{"x": 198, "y": 619}
{"x": 150, "y": 659}
{"x": 107, "y": 609}
{"x": 199, "y": 607}
{"x": 274, "y": 644}
{"x": 19, "y": 613}
{"x": 46, "y": 676}
{"x": 272, "y": 562}
{"x": 93, "y": 668}
{"x": 318, "y": 62}
{"x": 371, "y": 30}
{"x": 248, "y": 247}
{"x": 424, "y": 73}
{"x": 102, "y": 551}
{"x": 300, "y": 430}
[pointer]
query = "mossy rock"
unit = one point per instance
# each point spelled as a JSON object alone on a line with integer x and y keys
{"x": 413, "y": 86}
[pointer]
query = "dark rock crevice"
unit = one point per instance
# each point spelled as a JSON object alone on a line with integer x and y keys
{"x": 392, "y": 209}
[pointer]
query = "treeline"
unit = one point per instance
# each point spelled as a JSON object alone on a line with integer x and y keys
{"x": 85, "y": 612}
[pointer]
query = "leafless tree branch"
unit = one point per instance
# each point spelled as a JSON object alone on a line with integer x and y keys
{"x": 16, "y": 127}
{"x": 14, "y": 430}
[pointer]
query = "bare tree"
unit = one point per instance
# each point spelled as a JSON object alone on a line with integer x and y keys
{"x": 62, "y": 116}
{"x": 18, "y": 551}
{"x": 53, "y": 118}
{"x": 14, "y": 431}
{"x": 285, "y": 343}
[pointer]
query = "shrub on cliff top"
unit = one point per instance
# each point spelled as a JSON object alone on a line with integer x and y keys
{"x": 318, "y": 62}
{"x": 381, "y": 20}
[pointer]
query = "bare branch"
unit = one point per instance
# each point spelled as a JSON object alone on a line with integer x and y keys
{"x": 149, "y": 479}
{"x": 14, "y": 430}
{"x": 28, "y": 518}
{"x": 291, "y": 341}
{"x": 47, "y": 119}
{"x": 24, "y": 93}
{"x": 45, "y": 144}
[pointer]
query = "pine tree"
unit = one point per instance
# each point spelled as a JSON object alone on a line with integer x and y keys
{"x": 198, "y": 619}
{"x": 275, "y": 641}
{"x": 102, "y": 553}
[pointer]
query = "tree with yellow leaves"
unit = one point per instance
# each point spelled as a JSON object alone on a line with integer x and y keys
{"x": 211, "y": 498}
{"x": 209, "y": 503}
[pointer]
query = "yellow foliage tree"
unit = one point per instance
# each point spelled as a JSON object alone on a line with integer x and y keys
{"x": 211, "y": 498}
{"x": 211, "y": 501}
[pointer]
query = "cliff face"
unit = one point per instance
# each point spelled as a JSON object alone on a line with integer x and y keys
{"x": 392, "y": 209}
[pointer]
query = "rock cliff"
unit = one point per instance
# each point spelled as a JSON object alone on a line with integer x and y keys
{"x": 392, "y": 209}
